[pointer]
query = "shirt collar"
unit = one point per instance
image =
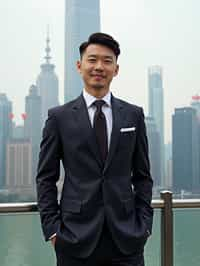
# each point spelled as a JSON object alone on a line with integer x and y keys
{"x": 90, "y": 99}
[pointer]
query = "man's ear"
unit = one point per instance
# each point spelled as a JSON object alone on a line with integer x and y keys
{"x": 116, "y": 70}
{"x": 78, "y": 66}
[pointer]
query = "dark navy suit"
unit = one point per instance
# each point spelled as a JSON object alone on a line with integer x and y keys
{"x": 117, "y": 193}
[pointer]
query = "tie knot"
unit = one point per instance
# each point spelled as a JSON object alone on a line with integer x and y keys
{"x": 99, "y": 104}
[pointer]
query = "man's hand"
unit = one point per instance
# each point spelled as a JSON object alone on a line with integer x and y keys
{"x": 53, "y": 241}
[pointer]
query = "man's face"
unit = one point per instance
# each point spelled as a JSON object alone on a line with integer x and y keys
{"x": 97, "y": 67}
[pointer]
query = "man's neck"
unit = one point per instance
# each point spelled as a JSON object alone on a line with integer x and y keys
{"x": 97, "y": 93}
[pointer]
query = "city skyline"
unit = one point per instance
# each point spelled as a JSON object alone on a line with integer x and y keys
{"x": 172, "y": 43}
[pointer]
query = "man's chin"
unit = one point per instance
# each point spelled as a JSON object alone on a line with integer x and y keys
{"x": 97, "y": 86}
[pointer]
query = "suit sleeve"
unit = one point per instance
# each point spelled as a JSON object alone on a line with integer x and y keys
{"x": 142, "y": 179}
{"x": 47, "y": 176}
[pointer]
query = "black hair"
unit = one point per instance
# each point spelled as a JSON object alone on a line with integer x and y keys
{"x": 103, "y": 39}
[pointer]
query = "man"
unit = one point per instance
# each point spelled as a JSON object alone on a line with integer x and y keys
{"x": 104, "y": 216}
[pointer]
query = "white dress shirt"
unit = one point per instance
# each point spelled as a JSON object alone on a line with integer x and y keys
{"x": 106, "y": 109}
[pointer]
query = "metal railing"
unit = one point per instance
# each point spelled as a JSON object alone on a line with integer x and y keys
{"x": 165, "y": 203}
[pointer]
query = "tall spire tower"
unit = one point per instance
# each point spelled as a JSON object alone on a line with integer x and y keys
{"x": 47, "y": 49}
{"x": 47, "y": 83}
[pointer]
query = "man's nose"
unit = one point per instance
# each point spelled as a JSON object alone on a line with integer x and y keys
{"x": 99, "y": 65}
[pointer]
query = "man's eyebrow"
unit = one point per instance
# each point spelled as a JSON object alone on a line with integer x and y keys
{"x": 104, "y": 56}
{"x": 108, "y": 56}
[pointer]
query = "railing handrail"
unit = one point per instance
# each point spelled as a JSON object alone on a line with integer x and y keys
{"x": 18, "y": 207}
{"x": 186, "y": 203}
{"x": 156, "y": 204}
{"x": 165, "y": 203}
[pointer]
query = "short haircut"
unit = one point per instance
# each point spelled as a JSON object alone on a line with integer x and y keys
{"x": 102, "y": 39}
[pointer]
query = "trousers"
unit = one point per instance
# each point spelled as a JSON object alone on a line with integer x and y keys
{"x": 106, "y": 253}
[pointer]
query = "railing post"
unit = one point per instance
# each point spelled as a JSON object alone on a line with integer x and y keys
{"x": 167, "y": 229}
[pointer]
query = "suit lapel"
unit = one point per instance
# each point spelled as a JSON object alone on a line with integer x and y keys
{"x": 84, "y": 126}
{"x": 118, "y": 118}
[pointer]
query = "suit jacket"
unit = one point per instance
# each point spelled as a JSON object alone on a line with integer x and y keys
{"x": 118, "y": 191}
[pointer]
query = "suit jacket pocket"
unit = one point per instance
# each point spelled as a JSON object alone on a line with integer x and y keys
{"x": 127, "y": 140}
{"x": 69, "y": 205}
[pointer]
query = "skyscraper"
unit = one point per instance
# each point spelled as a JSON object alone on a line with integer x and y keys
{"x": 32, "y": 124}
{"x": 5, "y": 133}
{"x": 47, "y": 83}
{"x": 196, "y": 105}
{"x": 185, "y": 150}
{"x": 156, "y": 108}
{"x": 154, "y": 150}
{"x": 81, "y": 19}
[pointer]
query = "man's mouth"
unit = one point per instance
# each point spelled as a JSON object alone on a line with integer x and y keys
{"x": 98, "y": 76}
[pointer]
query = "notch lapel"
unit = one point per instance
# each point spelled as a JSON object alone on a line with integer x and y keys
{"x": 118, "y": 119}
{"x": 81, "y": 115}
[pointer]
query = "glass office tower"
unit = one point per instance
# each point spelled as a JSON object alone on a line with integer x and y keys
{"x": 81, "y": 19}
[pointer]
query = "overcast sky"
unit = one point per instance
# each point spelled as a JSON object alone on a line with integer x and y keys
{"x": 150, "y": 32}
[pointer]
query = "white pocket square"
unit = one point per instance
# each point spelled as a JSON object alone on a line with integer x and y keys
{"x": 127, "y": 129}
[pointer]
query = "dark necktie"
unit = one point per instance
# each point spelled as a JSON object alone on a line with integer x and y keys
{"x": 101, "y": 129}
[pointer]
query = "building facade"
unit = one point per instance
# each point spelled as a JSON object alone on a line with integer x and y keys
{"x": 19, "y": 165}
{"x": 156, "y": 109}
{"x": 5, "y": 134}
{"x": 154, "y": 150}
{"x": 185, "y": 150}
{"x": 81, "y": 19}
{"x": 168, "y": 165}
{"x": 33, "y": 124}
{"x": 18, "y": 131}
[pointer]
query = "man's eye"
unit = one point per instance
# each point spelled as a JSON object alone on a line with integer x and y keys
{"x": 108, "y": 61}
{"x": 92, "y": 60}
